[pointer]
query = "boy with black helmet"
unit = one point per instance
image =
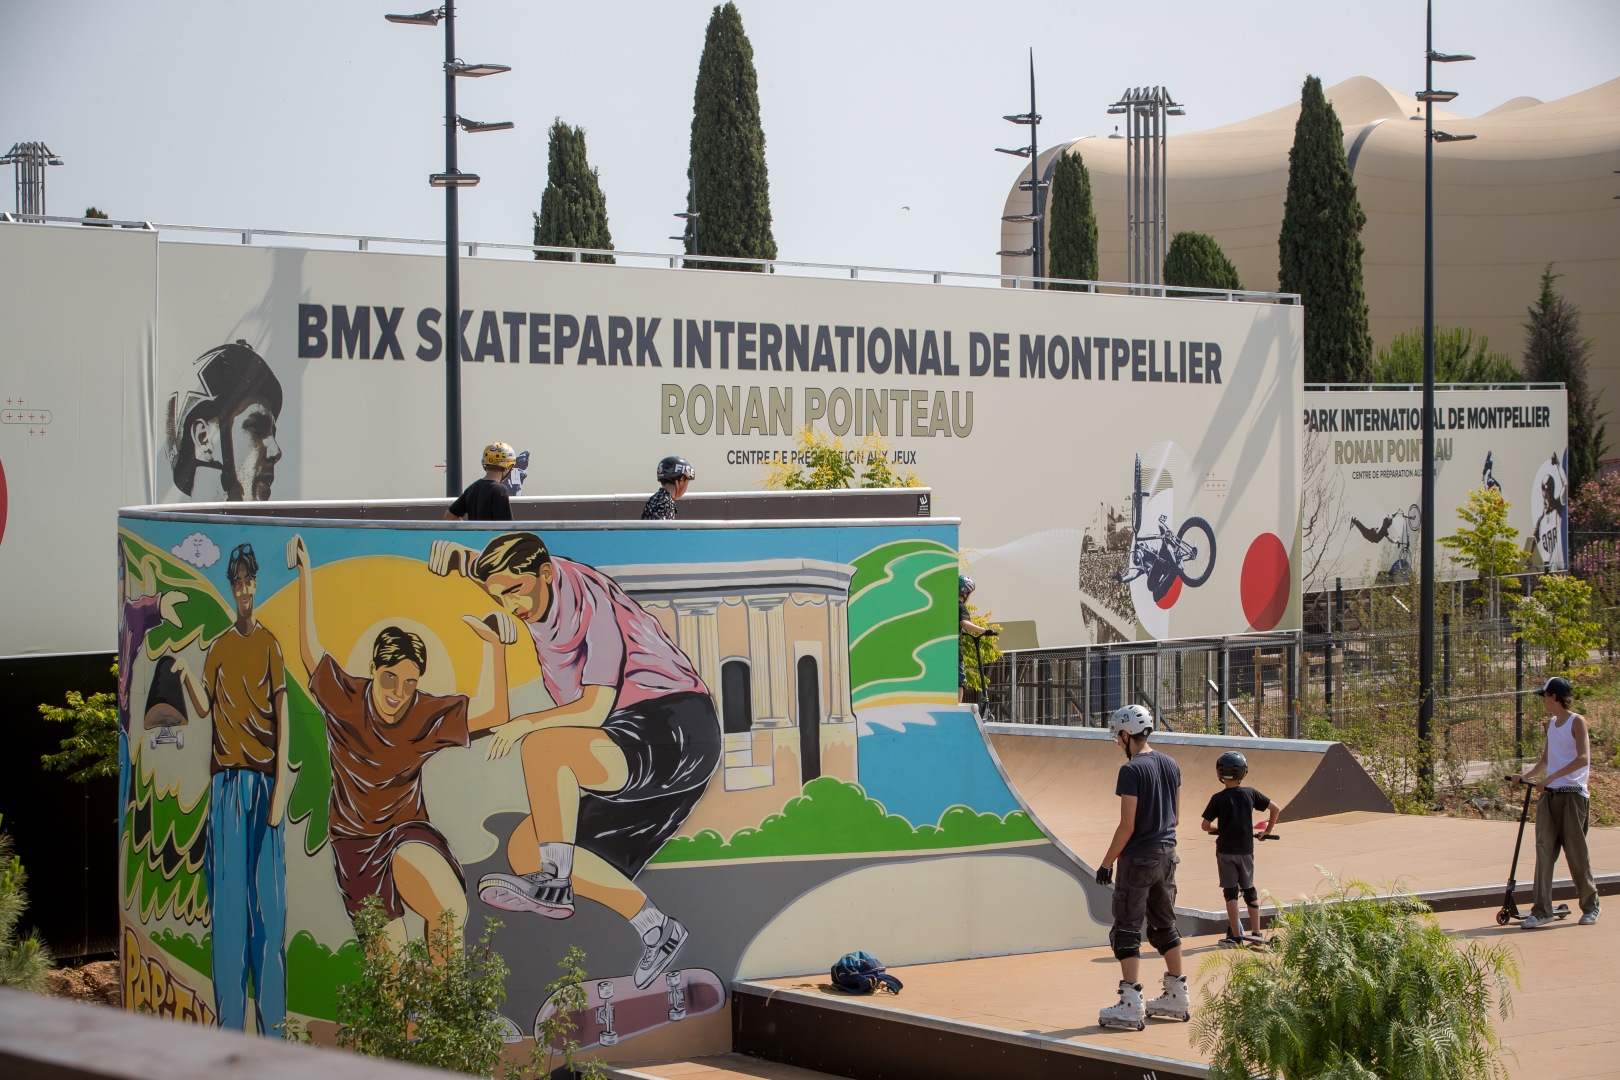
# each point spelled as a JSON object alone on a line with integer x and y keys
{"x": 1230, "y": 816}
{"x": 675, "y": 475}
{"x": 965, "y": 625}
{"x": 1144, "y": 844}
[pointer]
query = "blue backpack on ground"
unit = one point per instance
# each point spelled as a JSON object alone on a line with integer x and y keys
{"x": 863, "y": 973}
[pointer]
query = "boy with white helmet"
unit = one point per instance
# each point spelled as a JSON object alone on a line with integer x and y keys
{"x": 487, "y": 498}
{"x": 1144, "y": 845}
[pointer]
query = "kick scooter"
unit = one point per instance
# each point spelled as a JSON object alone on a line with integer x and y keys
{"x": 1510, "y": 907}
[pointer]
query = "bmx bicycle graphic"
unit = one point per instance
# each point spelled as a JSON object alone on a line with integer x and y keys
{"x": 1187, "y": 553}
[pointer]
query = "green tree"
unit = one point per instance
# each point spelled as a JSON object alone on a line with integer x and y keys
{"x": 1486, "y": 545}
{"x": 1196, "y": 259}
{"x": 92, "y": 749}
{"x": 23, "y": 961}
{"x": 573, "y": 210}
{"x": 1458, "y": 358}
{"x": 1357, "y": 986}
{"x": 1557, "y": 618}
{"x": 428, "y": 1002}
{"x": 830, "y": 466}
{"x": 554, "y": 1035}
{"x": 727, "y": 170}
{"x": 1554, "y": 351}
{"x": 92, "y": 212}
{"x": 1072, "y": 237}
{"x": 1320, "y": 249}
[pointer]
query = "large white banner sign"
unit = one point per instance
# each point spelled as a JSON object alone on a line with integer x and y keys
{"x": 78, "y": 309}
{"x": 1125, "y": 467}
{"x": 1363, "y": 478}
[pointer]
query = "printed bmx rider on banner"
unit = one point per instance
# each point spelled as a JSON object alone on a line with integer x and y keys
{"x": 621, "y": 760}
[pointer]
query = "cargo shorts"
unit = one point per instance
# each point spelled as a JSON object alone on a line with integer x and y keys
{"x": 1145, "y": 889}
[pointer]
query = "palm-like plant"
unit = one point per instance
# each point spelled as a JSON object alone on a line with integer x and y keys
{"x": 1357, "y": 986}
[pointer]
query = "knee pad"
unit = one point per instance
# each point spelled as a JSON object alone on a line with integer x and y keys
{"x": 1230, "y": 892}
{"x": 1126, "y": 942}
{"x": 1251, "y": 896}
{"x": 1164, "y": 940}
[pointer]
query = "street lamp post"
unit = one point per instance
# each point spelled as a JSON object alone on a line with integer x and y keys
{"x": 451, "y": 180}
{"x": 1034, "y": 185}
{"x": 1428, "y": 97}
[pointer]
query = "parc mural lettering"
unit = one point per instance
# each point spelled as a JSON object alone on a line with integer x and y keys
{"x": 669, "y": 747}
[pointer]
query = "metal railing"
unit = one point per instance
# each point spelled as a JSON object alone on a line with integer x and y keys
{"x": 678, "y": 261}
{"x": 1367, "y": 387}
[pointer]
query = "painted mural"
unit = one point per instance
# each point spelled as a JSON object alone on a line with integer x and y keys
{"x": 698, "y": 754}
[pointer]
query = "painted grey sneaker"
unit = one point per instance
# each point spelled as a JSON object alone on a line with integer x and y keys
{"x": 661, "y": 947}
{"x": 550, "y": 896}
{"x": 1589, "y": 918}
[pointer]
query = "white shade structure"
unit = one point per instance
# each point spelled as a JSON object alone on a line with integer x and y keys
{"x": 1536, "y": 186}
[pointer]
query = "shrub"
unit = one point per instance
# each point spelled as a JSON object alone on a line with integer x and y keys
{"x": 1458, "y": 358}
{"x": 1197, "y": 260}
{"x": 23, "y": 961}
{"x": 1357, "y": 986}
{"x": 93, "y": 746}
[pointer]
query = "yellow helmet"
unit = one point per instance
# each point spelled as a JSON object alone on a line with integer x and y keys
{"x": 499, "y": 455}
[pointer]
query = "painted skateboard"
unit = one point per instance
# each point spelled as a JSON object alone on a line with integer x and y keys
{"x": 616, "y": 1011}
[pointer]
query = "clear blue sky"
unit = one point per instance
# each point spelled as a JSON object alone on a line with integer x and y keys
{"x": 321, "y": 116}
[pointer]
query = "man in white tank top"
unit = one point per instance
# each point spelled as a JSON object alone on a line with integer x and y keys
{"x": 1565, "y": 805}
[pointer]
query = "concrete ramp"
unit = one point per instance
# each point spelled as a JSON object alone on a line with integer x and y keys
{"x": 1066, "y": 775}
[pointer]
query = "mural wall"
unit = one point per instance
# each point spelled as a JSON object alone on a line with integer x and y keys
{"x": 698, "y": 754}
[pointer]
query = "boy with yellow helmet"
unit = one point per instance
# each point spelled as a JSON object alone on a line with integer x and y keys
{"x": 487, "y": 499}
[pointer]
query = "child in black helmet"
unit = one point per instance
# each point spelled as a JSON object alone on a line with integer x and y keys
{"x": 1230, "y": 816}
{"x": 675, "y": 475}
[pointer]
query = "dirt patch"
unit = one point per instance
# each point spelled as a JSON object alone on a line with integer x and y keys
{"x": 97, "y": 983}
{"x": 1497, "y": 801}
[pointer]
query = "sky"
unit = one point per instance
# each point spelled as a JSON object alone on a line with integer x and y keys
{"x": 323, "y": 117}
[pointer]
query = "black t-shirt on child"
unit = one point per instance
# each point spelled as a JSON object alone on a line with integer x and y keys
{"x": 1232, "y": 810}
{"x": 484, "y": 500}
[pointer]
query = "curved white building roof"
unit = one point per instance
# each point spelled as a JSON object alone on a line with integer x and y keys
{"x": 1537, "y": 186}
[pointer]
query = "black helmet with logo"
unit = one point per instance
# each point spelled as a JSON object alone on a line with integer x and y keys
{"x": 675, "y": 468}
{"x": 1231, "y": 766}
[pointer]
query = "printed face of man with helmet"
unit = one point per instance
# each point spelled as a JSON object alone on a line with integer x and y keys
{"x": 227, "y": 424}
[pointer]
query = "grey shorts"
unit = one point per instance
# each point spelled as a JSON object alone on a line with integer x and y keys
{"x": 1237, "y": 871}
{"x": 1145, "y": 889}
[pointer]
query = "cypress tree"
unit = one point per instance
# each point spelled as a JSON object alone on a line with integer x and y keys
{"x": 1554, "y": 351}
{"x": 1320, "y": 245}
{"x": 1196, "y": 259}
{"x": 1072, "y": 236}
{"x": 573, "y": 210}
{"x": 727, "y": 166}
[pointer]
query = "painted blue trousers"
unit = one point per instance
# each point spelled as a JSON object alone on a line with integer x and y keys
{"x": 247, "y": 879}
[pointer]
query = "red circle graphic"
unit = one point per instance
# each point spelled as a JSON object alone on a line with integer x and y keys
{"x": 1266, "y": 582}
{"x": 3, "y": 501}
{"x": 1172, "y": 595}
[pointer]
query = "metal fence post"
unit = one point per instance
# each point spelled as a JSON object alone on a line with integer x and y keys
{"x": 1518, "y": 696}
{"x": 1295, "y": 651}
{"x": 1226, "y": 682}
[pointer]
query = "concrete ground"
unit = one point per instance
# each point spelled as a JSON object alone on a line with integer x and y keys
{"x": 1565, "y": 1024}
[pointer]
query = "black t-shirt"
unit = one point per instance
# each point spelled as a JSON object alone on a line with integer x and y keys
{"x": 1154, "y": 779}
{"x": 1232, "y": 810}
{"x": 484, "y": 500}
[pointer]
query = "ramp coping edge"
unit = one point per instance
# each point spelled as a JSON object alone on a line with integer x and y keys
{"x": 1168, "y": 738}
{"x": 964, "y": 1027}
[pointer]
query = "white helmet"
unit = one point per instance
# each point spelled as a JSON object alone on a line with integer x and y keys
{"x": 1132, "y": 720}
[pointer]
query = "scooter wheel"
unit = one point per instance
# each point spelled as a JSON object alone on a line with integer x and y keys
{"x": 1502, "y": 917}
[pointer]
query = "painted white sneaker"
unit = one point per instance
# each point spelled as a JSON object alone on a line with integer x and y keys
{"x": 542, "y": 893}
{"x": 662, "y": 944}
{"x": 1129, "y": 1013}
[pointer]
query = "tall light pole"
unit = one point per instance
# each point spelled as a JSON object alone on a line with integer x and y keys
{"x": 1147, "y": 110}
{"x": 29, "y": 160}
{"x": 1429, "y": 96}
{"x": 1034, "y": 184}
{"x": 452, "y": 179}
